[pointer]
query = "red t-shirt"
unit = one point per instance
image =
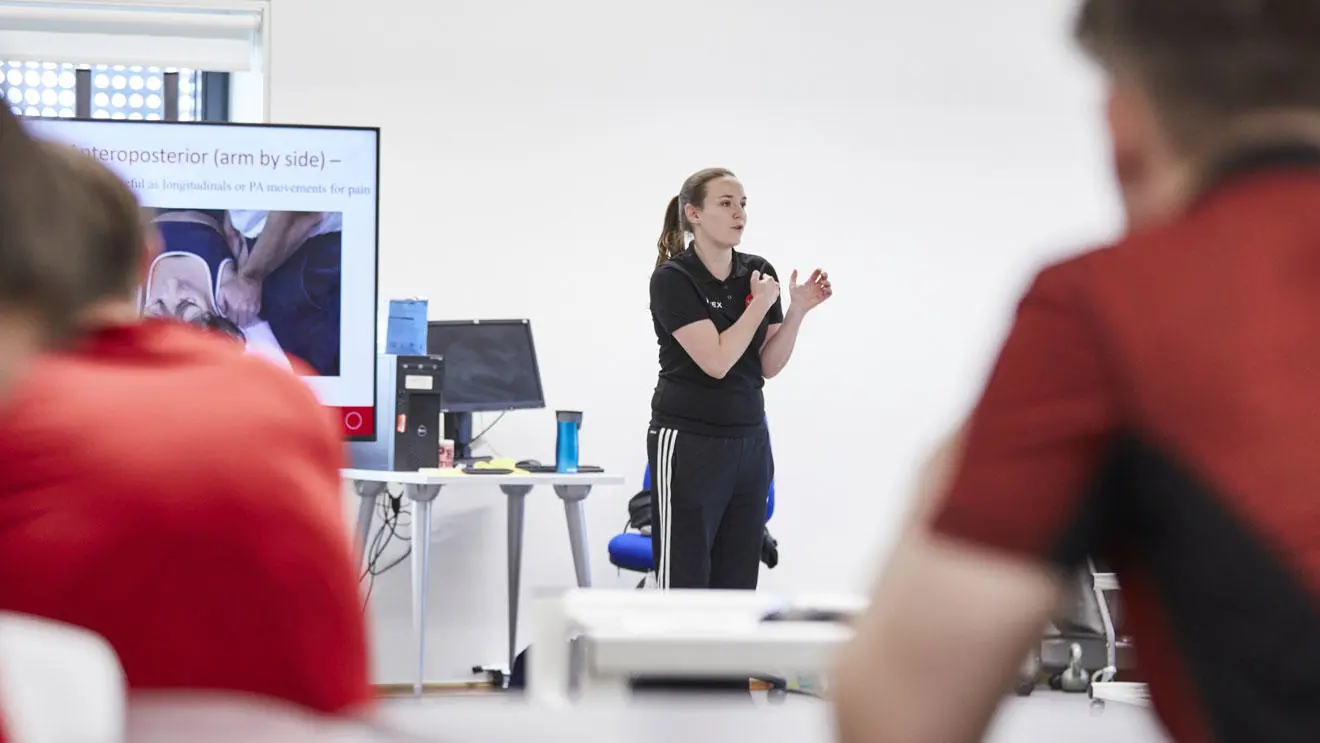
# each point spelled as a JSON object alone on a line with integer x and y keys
{"x": 182, "y": 499}
{"x": 1157, "y": 404}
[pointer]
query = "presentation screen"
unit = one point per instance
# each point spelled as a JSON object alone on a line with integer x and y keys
{"x": 269, "y": 233}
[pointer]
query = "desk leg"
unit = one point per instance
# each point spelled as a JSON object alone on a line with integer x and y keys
{"x": 367, "y": 494}
{"x": 548, "y": 674}
{"x": 572, "y": 496}
{"x": 517, "y": 506}
{"x": 422, "y": 497}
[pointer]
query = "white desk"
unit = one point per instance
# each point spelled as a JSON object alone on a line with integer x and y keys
{"x": 677, "y": 633}
{"x": 1103, "y": 686}
{"x": 422, "y": 489}
{"x": 62, "y": 683}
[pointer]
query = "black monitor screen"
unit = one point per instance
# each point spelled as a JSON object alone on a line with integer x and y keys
{"x": 490, "y": 365}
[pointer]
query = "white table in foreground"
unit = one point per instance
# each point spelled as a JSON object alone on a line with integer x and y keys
{"x": 423, "y": 488}
{"x": 686, "y": 633}
{"x": 1046, "y": 716}
{"x": 211, "y": 718}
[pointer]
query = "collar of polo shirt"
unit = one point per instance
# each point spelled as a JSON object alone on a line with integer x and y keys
{"x": 740, "y": 267}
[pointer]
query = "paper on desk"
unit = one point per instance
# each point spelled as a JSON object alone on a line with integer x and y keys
{"x": 405, "y": 333}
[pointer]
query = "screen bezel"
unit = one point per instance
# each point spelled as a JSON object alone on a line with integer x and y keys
{"x": 526, "y": 324}
{"x": 375, "y": 287}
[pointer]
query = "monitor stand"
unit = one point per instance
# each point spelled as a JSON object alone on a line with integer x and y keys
{"x": 458, "y": 428}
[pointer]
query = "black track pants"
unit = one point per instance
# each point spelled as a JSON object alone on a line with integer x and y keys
{"x": 708, "y": 508}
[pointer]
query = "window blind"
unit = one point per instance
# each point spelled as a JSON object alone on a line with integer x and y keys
{"x": 212, "y": 36}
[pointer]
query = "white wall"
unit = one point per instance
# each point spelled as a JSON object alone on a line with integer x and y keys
{"x": 929, "y": 155}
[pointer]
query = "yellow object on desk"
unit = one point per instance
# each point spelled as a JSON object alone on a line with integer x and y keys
{"x": 499, "y": 463}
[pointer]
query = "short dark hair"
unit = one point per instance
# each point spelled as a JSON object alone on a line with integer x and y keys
{"x": 110, "y": 218}
{"x": 676, "y": 223}
{"x": 220, "y": 324}
{"x": 42, "y": 251}
{"x": 1205, "y": 62}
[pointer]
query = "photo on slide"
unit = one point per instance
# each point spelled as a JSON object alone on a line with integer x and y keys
{"x": 269, "y": 278}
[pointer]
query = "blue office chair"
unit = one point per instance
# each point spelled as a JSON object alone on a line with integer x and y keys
{"x": 631, "y": 550}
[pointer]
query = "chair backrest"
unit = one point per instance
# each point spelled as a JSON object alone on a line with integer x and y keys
{"x": 769, "y": 498}
{"x": 223, "y": 717}
{"x": 58, "y": 682}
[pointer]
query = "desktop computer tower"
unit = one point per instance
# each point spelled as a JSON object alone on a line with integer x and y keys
{"x": 409, "y": 401}
{"x": 419, "y": 383}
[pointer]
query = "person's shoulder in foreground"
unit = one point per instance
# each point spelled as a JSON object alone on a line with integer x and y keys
{"x": 184, "y": 500}
{"x": 1149, "y": 401}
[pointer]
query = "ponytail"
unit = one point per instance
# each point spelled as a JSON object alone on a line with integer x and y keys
{"x": 671, "y": 241}
{"x": 672, "y": 238}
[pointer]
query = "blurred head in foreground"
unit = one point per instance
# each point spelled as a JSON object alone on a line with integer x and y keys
{"x": 1191, "y": 80}
{"x": 121, "y": 245}
{"x": 44, "y": 275}
{"x": 117, "y": 243}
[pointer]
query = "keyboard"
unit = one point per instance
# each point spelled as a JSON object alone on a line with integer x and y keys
{"x": 587, "y": 469}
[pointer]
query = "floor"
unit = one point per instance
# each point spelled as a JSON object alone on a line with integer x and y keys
{"x": 1043, "y": 716}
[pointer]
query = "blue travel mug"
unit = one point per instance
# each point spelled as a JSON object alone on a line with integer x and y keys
{"x": 566, "y": 441}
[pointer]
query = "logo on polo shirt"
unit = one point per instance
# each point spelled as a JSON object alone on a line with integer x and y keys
{"x": 714, "y": 304}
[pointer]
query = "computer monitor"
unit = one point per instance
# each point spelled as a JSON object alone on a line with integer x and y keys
{"x": 490, "y": 365}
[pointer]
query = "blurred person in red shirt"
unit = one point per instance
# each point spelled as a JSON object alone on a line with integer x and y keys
{"x": 175, "y": 495}
{"x": 40, "y": 293}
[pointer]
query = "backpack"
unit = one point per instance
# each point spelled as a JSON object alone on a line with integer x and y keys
{"x": 639, "y": 512}
{"x": 639, "y": 518}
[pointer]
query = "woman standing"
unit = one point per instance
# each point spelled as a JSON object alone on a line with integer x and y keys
{"x": 722, "y": 332}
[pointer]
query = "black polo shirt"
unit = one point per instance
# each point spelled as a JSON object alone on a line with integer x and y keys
{"x": 686, "y": 398}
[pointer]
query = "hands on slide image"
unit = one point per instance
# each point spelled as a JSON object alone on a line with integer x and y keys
{"x": 238, "y": 296}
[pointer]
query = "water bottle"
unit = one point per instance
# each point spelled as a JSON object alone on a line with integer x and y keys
{"x": 566, "y": 440}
